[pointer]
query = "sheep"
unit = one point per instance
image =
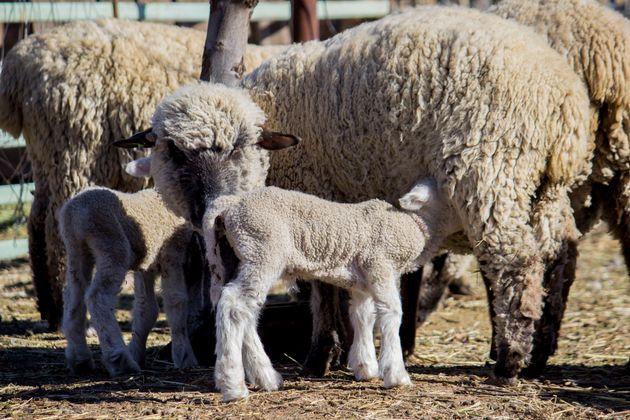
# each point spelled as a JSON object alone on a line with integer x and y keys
{"x": 595, "y": 41}
{"x": 107, "y": 234}
{"x": 451, "y": 94}
{"x": 73, "y": 90}
{"x": 364, "y": 248}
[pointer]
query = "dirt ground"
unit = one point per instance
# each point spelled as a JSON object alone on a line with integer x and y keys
{"x": 586, "y": 379}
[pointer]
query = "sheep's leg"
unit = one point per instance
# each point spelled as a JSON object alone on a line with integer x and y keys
{"x": 101, "y": 302}
{"x": 175, "y": 297}
{"x": 515, "y": 274}
{"x": 37, "y": 250}
{"x": 559, "y": 252}
{"x": 237, "y": 312}
{"x": 55, "y": 262}
{"x": 432, "y": 289}
{"x": 326, "y": 343}
{"x": 258, "y": 367}
{"x": 362, "y": 357}
{"x": 410, "y": 285}
{"x": 389, "y": 314}
{"x": 490, "y": 295}
{"x": 145, "y": 313}
{"x": 558, "y": 280}
{"x": 78, "y": 354}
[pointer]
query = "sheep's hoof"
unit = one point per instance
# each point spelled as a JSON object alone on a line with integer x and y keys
{"x": 137, "y": 354}
{"x": 186, "y": 362}
{"x": 237, "y": 394}
{"x": 121, "y": 364}
{"x": 502, "y": 380}
{"x": 81, "y": 367}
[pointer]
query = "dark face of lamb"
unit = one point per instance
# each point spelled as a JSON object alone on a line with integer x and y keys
{"x": 208, "y": 142}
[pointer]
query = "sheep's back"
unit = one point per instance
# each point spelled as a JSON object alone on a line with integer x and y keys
{"x": 595, "y": 41}
{"x": 473, "y": 100}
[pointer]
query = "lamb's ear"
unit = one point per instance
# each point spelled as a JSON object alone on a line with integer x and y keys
{"x": 139, "y": 167}
{"x": 420, "y": 194}
{"x": 144, "y": 138}
{"x": 271, "y": 140}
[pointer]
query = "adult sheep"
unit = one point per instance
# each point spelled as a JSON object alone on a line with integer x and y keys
{"x": 595, "y": 41}
{"x": 73, "y": 90}
{"x": 451, "y": 94}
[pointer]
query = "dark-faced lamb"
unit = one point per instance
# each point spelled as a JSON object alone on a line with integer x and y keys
{"x": 107, "y": 234}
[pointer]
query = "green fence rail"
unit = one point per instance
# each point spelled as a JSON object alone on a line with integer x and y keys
{"x": 180, "y": 12}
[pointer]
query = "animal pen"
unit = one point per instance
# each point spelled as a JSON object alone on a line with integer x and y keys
{"x": 450, "y": 367}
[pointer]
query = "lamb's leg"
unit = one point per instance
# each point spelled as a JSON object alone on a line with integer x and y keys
{"x": 175, "y": 297}
{"x": 101, "y": 302}
{"x": 362, "y": 357}
{"x": 239, "y": 306}
{"x": 145, "y": 313}
{"x": 78, "y": 354}
{"x": 258, "y": 367}
{"x": 383, "y": 284}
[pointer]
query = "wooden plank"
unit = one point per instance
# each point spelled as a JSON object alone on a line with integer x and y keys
{"x": 11, "y": 249}
{"x": 11, "y": 194}
{"x": 181, "y": 12}
{"x": 7, "y": 141}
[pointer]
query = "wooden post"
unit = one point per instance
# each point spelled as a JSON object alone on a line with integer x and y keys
{"x": 226, "y": 40}
{"x": 115, "y": 6}
{"x": 304, "y": 22}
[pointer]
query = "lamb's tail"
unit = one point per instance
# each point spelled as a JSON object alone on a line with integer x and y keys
{"x": 213, "y": 232}
{"x": 10, "y": 104}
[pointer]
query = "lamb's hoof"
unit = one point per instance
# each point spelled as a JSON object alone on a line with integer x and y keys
{"x": 81, "y": 367}
{"x": 121, "y": 364}
{"x": 395, "y": 378}
{"x": 460, "y": 288}
{"x": 236, "y": 394}
{"x": 270, "y": 381}
{"x": 365, "y": 371}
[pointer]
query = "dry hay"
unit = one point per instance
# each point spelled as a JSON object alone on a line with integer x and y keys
{"x": 586, "y": 379}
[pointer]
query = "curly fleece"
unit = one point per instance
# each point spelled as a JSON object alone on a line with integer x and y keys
{"x": 73, "y": 90}
{"x": 481, "y": 104}
{"x": 595, "y": 41}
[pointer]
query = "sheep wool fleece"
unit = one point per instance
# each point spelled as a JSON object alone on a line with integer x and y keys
{"x": 595, "y": 41}
{"x": 481, "y": 104}
{"x": 73, "y": 90}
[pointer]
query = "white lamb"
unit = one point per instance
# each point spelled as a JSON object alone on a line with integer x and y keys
{"x": 365, "y": 247}
{"x": 110, "y": 233}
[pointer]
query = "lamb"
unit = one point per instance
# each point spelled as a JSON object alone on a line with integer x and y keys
{"x": 451, "y": 94}
{"x": 112, "y": 233}
{"x": 73, "y": 90}
{"x": 364, "y": 248}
